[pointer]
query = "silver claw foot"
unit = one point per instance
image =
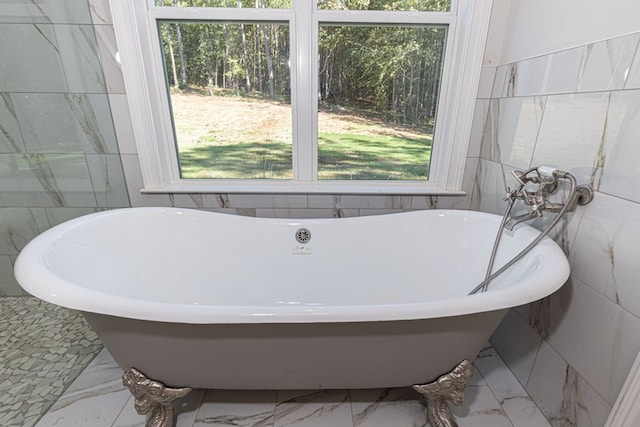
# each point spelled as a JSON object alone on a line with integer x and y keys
{"x": 152, "y": 396}
{"x": 447, "y": 388}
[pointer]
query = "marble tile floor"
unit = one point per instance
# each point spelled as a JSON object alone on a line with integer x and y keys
{"x": 43, "y": 348}
{"x": 494, "y": 398}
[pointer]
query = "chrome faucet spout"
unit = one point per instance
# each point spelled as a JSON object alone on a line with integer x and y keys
{"x": 513, "y": 221}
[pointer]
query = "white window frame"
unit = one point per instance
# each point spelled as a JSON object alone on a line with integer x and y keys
{"x": 143, "y": 69}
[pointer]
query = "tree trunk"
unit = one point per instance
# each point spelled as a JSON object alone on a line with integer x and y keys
{"x": 267, "y": 49}
{"x": 173, "y": 59}
{"x": 183, "y": 71}
{"x": 244, "y": 53}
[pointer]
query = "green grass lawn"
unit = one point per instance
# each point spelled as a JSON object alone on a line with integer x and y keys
{"x": 340, "y": 157}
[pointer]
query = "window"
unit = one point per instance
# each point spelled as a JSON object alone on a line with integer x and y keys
{"x": 339, "y": 96}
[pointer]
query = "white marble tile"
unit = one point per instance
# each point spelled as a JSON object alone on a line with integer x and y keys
{"x": 100, "y": 12}
{"x": 107, "y": 178}
{"x": 605, "y": 64}
{"x": 8, "y": 284}
{"x": 59, "y": 215}
{"x": 94, "y": 399}
{"x": 500, "y": 81}
{"x": 313, "y": 408}
{"x": 524, "y": 78}
{"x": 398, "y": 407}
{"x": 237, "y": 408}
{"x": 106, "y": 39}
{"x": 487, "y": 78}
{"x": 65, "y": 123}
{"x": 45, "y": 11}
{"x": 578, "y": 313}
{"x": 46, "y": 180}
{"x": 511, "y": 130}
{"x": 493, "y": 179}
{"x": 572, "y": 132}
{"x": 23, "y": 73}
{"x": 517, "y": 344}
{"x": 563, "y": 395}
{"x": 508, "y": 391}
{"x": 80, "y": 58}
{"x": 480, "y": 409}
{"x": 633, "y": 74}
{"x": 555, "y": 73}
{"x": 364, "y": 201}
{"x": 187, "y": 200}
{"x": 480, "y": 114}
{"x": 621, "y": 154}
{"x": 268, "y": 201}
{"x": 17, "y": 227}
{"x": 10, "y": 135}
{"x": 604, "y": 255}
{"x": 306, "y": 213}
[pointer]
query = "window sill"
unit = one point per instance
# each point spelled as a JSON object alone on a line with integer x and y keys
{"x": 291, "y": 187}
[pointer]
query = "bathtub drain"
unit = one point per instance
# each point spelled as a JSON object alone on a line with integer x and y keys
{"x": 303, "y": 235}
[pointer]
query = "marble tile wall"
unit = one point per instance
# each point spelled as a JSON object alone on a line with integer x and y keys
{"x": 59, "y": 155}
{"x": 576, "y": 110}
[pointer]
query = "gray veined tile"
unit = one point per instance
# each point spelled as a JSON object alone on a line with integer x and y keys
{"x": 17, "y": 227}
{"x": 80, "y": 58}
{"x": 562, "y": 394}
{"x": 513, "y": 398}
{"x": 480, "y": 409}
{"x": 573, "y": 331}
{"x": 572, "y": 132}
{"x": 100, "y": 12}
{"x": 511, "y": 130}
{"x": 109, "y": 55}
{"x": 57, "y": 123}
{"x": 313, "y": 408}
{"x": 45, "y": 11}
{"x": 605, "y": 65}
{"x": 620, "y": 155}
{"x": 8, "y": 284}
{"x": 398, "y": 407}
{"x": 10, "y": 136}
{"x": 23, "y": 73}
{"x": 107, "y": 178}
{"x": 237, "y": 408}
{"x": 46, "y": 180}
{"x": 518, "y": 344}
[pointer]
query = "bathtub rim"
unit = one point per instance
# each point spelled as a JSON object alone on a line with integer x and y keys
{"x": 63, "y": 293}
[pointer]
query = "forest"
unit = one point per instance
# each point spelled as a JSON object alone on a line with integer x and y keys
{"x": 392, "y": 71}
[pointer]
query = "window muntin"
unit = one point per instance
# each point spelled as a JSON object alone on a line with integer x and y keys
{"x": 378, "y": 96}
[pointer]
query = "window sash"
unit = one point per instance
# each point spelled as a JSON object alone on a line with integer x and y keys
{"x": 137, "y": 36}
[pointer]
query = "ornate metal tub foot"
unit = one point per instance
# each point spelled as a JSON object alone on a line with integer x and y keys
{"x": 447, "y": 388}
{"x": 152, "y": 396}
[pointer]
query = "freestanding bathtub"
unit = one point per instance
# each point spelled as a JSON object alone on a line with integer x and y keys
{"x": 208, "y": 300}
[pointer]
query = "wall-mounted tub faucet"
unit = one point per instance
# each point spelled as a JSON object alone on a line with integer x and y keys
{"x": 537, "y": 200}
{"x": 547, "y": 180}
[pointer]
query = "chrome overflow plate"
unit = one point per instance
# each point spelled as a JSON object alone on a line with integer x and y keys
{"x": 303, "y": 235}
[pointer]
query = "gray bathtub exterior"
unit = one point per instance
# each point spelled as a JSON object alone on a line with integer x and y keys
{"x": 295, "y": 355}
